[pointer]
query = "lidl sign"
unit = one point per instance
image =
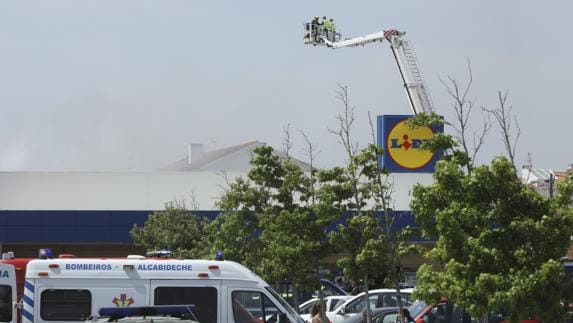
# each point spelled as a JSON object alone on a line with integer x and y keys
{"x": 401, "y": 145}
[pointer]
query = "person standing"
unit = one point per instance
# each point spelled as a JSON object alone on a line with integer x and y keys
{"x": 332, "y": 26}
{"x": 339, "y": 282}
{"x": 406, "y": 317}
{"x": 326, "y": 27}
{"x": 316, "y": 312}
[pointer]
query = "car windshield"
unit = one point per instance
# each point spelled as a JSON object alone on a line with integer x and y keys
{"x": 417, "y": 308}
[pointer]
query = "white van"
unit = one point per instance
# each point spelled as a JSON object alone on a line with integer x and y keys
{"x": 73, "y": 289}
{"x": 8, "y": 299}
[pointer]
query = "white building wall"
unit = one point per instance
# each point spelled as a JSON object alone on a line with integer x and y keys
{"x": 138, "y": 191}
{"x": 402, "y": 184}
{"x": 108, "y": 191}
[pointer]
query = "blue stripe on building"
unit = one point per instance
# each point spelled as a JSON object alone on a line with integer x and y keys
{"x": 73, "y": 226}
{"x": 104, "y": 226}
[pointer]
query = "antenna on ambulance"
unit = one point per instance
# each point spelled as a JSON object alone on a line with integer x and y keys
{"x": 319, "y": 34}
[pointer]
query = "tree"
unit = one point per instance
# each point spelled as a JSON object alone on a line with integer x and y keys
{"x": 372, "y": 247}
{"x": 497, "y": 241}
{"x": 279, "y": 231}
{"x": 176, "y": 229}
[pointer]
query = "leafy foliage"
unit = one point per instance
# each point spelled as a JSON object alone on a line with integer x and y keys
{"x": 271, "y": 223}
{"x": 497, "y": 241}
{"x": 175, "y": 229}
{"x": 372, "y": 247}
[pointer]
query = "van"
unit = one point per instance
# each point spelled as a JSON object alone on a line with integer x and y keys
{"x": 73, "y": 289}
{"x": 8, "y": 294}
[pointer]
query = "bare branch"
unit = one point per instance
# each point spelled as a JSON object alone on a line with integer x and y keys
{"x": 463, "y": 108}
{"x": 287, "y": 142}
{"x": 193, "y": 201}
{"x": 503, "y": 116}
{"x": 345, "y": 121}
{"x": 311, "y": 152}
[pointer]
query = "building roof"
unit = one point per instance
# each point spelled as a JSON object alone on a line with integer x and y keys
{"x": 542, "y": 174}
{"x": 233, "y": 158}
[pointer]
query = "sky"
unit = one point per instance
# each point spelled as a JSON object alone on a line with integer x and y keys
{"x": 127, "y": 85}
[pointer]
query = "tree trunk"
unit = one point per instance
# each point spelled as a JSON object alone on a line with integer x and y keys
{"x": 368, "y": 312}
{"x": 484, "y": 319}
{"x": 295, "y": 296}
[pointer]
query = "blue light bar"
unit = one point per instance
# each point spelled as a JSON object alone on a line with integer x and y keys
{"x": 160, "y": 310}
{"x": 45, "y": 253}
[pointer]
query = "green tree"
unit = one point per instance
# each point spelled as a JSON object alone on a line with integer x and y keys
{"x": 498, "y": 242}
{"x": 175, "y": 229}
{"x": 372, "y": 247}
{"x": 279, "y": 232}
{"x": 237, "y": 228}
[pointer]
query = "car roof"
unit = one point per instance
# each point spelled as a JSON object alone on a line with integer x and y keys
{"x": 376, "y": 291}
{"x": 386, "y": 290}
{"x": 375, "y": 312}
{"x": 312, "y": 300}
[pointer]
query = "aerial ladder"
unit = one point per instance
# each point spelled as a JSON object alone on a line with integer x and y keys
{"x": 414, "y": 84}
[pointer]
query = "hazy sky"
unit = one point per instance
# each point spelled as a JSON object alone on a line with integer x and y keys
{"x": 126, "y": 85}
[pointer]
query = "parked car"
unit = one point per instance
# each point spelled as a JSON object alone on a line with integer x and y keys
{"x": 332, "y": 303}
{"x": 378, "y": 298}
{"x": 379, "y": 315}
{"x": 286, "y": 290}
{"x": 446, "y": 312}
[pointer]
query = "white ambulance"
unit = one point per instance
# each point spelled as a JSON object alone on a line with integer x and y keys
{"x": 8, "y": 299}
{"x": 73, "y": 289}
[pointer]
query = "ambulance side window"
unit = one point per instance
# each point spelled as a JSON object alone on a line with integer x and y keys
{"x": 204, "y": 299}
{"x": 253, "y": 307}
{"x": 5, "y": 303}
{"x": 65, "y": 304}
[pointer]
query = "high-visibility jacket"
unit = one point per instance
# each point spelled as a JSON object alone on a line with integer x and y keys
{"x": 332, "y": 26}
{"x": 326, "y": 24}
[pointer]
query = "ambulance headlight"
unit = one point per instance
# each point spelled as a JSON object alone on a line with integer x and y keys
{"x": 45, "y": 253}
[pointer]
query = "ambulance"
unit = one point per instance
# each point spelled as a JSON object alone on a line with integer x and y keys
{"x": 8, "y": 294}
{"x": 74, "y": 289}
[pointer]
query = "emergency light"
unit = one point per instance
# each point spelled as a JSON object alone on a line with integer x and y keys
{"x": 162, "y": 253}
{"x": 45, "y": 253}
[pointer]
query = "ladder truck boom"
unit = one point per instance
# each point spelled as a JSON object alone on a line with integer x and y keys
{"x": 416, "y": 90}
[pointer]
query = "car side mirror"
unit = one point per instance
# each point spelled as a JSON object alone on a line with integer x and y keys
{"x": 342, "y": 310}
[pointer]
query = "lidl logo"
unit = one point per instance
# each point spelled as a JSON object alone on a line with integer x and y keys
{"x": 402, "y": 145}
{"x": 123, "y": 300}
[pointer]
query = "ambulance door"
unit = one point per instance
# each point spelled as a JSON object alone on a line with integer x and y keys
{"x": 203, "y": 294}
{"x": 8, "y": 293}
